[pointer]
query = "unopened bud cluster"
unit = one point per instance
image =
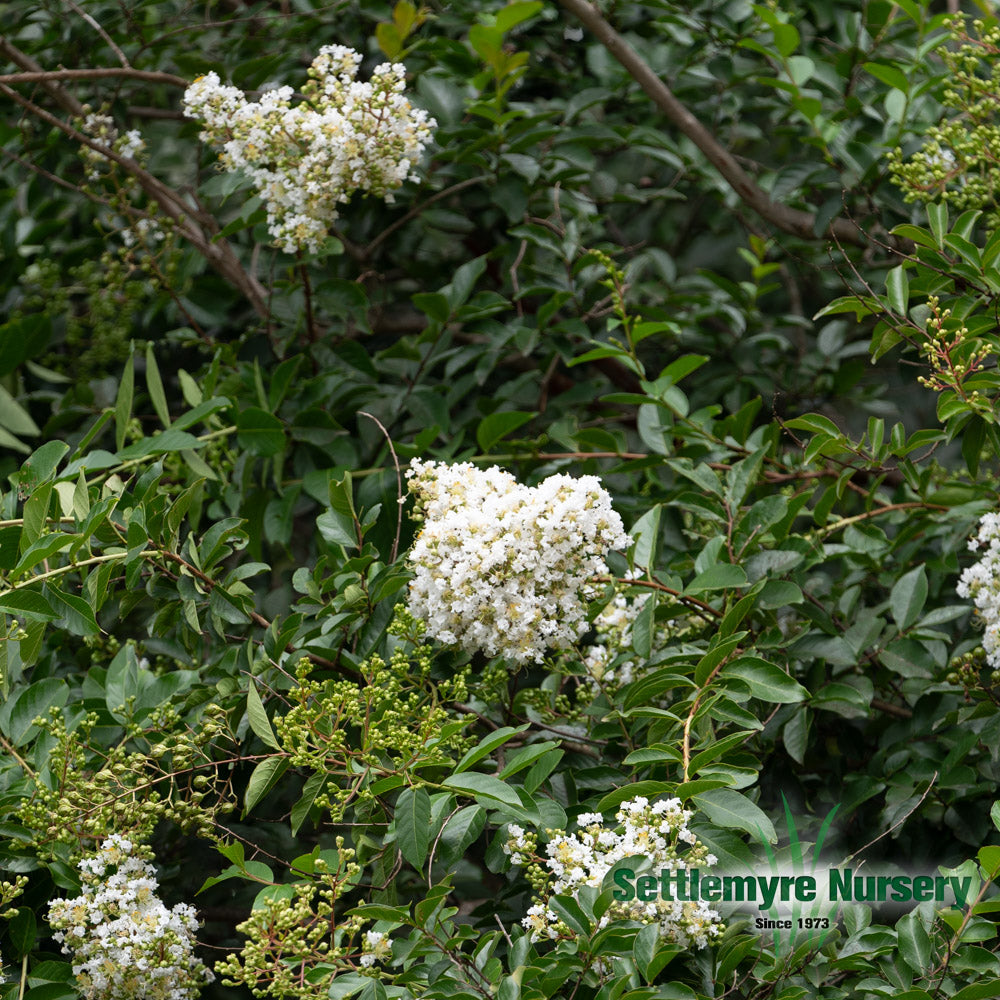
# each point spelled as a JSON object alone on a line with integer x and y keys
{"x": 504, "y": 568}
{"x": 957, "y": 163}
{"x": 307, "y": 158}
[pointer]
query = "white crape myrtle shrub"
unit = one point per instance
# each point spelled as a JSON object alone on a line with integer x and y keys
{"x": 125, "y": 943}
{"x": 584, "y": 858}
{"x": 981, "y": 582}
{"x": 306, "y": 158}
{"x": 506, "y": 568}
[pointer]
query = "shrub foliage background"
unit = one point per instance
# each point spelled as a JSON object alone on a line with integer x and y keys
{"x": 728, "y": 299}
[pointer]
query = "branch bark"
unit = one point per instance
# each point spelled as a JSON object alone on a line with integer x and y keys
{"x": 218, "y": 252}
{"x": 784, "y": 217}
{"x": 55, "y": 75}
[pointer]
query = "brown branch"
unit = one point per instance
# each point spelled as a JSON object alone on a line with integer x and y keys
{"x": 656, "y": 585}
{"x": 791, "y": 220}
{"x": 897, "y": 710}
{"x": 54, "y": 75}
{"x": 62, "y": 97}
{"x": 218, "y": 252}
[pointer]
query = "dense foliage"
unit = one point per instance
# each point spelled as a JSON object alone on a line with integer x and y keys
{"x": 714, "y": 285}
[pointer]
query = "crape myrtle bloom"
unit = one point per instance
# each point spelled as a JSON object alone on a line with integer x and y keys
{"x": 307, "y": 158}
{"x": 981, "y": 582}
{"x": 125, "y": 943}
{"x": 657, "y": 831}
{"x": 504, "y": 568}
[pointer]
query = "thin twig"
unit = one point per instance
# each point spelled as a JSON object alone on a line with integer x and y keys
{"x": 876, "y": 511}
{"x": 656, "y": 585}
{"x": 899, "y": 822}
{"x": 791, "y": 220}
{"x": 399, "y": 484}
{"x": 416, "y": 210}
{"x": 77, "y": 9}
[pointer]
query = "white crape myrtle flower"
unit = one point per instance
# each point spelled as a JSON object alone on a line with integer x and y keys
{"x": 981, "y": 582}
{"x": 102, "y": 128}
{"x": 376, "y": 947}
{"x": 125, "y": 943}
{"x": 306, "y": 159}
{"x": 506, "y": 568}
{"x": 584, "y": 858}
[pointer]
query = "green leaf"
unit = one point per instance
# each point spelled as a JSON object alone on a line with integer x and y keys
{"x": 643, "y": 627}
{"x": 265, "y": 776}
{"x": 795, "y": 735}
{"x": 76, "y": 614}
{"x": 14, "y": 417}
{"x": 897, "y": 289}
{"x": 986, "y": 990}
{"x": 516, "y": 13}
{"x": 816, "y": 423}
{"x": 164, "y": 443}
{"x": 650, "y": 789}
{"x": 122, "y": 682}
{"x": 526, "y": 756}
{"x": 765, "y": 680}
{"x": 260, "y": 432}
{"x": 487, "y": 745}
{"x": 313, "y": 786}
{"x": 906, "y": 601}
{"x": 32, "y": 702}
{"x": 154, "y": 385}
{"x": 937, "y": 216}
{"x": 786, "y": 38}
{"x": 257, "y": 715}
{"x": 718, "y": 748}
{"x": 721, "y": 576}
{"x": 461, "y": 830}
{"x": 123, "y": 402}
{"x": 989, "y": 859}
{"x": 646, "y": 532}
{"x": 734, "y": 811}
{"x": 413, "y": 825}
{"x": 480, "y": 786}
{"x": 914, "y": 943}
{"x": 498, "y": 425}
{"x": 889, "y": 74}
{"x": 27, "y": 604}
{"x": 43, "y": 462}
{"x": 46, "y": 546}
{"x": 22, "y": 929}
{"x": 389, "y": 40}
{"x": 379, "y": 911}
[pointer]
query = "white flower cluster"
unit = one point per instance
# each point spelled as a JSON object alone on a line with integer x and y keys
{"x": 981, "y": 582}
{"x": 146, "y": 232}
{"x": 614, "y": 635}
{"x": 376, "y": 948}
{"x": 103, "y": 129}
{"x": 504, "y": 568}
{"x": 125, "y": 943}
{"x": 304, "y": 159}
{"x": 584, "y": 858}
